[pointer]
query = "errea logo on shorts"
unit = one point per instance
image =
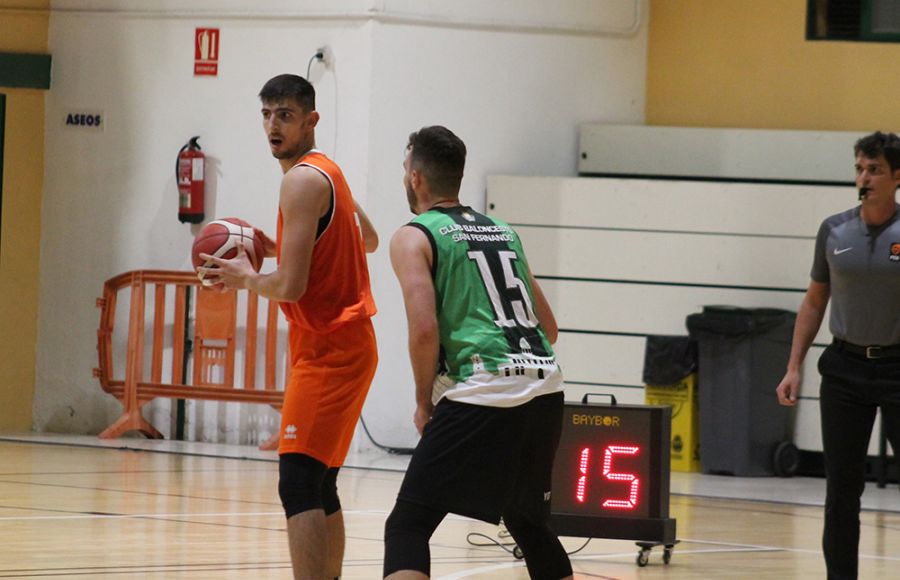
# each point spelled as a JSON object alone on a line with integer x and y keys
{"x": 895, "y": 252}
{"x": 290, "y": 432}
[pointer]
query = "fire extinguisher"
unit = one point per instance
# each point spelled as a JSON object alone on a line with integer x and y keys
{"x": 189, "y": 175}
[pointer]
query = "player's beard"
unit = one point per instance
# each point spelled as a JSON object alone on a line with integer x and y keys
{"x": 293, "y": 152}
{"x": 411, "y": 198}
{"x": 299, "y": 146}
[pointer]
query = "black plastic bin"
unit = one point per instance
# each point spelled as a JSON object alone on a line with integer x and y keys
{"x": 670, "y": 378}
{"x": 668, "y": 359}
{"x": 743, "y": 354}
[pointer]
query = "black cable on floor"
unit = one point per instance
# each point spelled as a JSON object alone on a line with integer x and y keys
{"x": 393, "y": 450}
{"x": 506, "y": 545}
{"x": 583, "y": 546}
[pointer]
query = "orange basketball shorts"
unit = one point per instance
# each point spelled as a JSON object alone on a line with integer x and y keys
{"x": 329, "y": 379}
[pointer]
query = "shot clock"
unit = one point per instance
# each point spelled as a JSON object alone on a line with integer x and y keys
{"x": 611, "y": 474}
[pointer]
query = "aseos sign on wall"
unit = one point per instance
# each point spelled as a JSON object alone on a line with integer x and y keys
{"x": 92, "y": 119}
{"x": 206, "y": 52}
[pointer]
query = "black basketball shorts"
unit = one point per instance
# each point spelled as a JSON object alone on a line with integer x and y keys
{"x": 479, "y": 461}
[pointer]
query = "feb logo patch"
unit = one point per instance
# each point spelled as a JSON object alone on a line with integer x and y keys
{"x": 895, "y": 252}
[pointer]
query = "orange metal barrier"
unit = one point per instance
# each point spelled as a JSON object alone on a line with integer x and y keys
{"x": 214, "y": 346}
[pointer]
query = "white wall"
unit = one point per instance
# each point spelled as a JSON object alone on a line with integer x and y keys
{"x": 514, "y": 90}
{"x": 669, "y": 248}
{"x": 110, "y": 201}
{"x": 516, "y": 100}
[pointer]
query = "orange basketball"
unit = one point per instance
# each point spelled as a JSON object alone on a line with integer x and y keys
{"x": 220, "y": 238}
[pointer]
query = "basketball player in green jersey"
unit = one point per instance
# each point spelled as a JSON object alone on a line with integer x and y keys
{"x": 489, "y": 395}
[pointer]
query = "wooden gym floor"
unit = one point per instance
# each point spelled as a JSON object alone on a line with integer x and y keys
{"x": 72, "y": 511}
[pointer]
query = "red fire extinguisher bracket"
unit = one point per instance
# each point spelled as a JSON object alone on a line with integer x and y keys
{"x": 189, "y": 175}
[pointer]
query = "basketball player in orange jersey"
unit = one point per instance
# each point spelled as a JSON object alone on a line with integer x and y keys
{"x": 322, "y": 283}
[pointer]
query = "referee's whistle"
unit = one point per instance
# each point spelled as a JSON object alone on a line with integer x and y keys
{"x": 863, "y": 192}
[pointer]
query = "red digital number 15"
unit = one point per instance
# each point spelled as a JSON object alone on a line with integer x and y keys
{"x": 631, "y": 500}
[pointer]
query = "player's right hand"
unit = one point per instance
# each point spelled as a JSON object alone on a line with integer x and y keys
{"x": 789, "y": 388}
{"x": 232, "y": 274}
{"x": 422, "y": 416}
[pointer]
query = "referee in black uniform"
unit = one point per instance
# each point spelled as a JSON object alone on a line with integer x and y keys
{"x": 857, "y": 266}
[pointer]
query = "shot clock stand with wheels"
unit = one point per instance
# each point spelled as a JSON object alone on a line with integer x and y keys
{"x": 611, "y": 475}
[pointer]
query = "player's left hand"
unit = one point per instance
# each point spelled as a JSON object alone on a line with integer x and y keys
{"x": 269, "y": 248}
{"x": 232, "y": 274}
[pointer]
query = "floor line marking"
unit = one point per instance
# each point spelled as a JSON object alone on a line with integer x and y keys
{"x": 89, "y": 516}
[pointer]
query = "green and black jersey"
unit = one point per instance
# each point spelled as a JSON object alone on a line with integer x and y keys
{"x": 493, "y": 350}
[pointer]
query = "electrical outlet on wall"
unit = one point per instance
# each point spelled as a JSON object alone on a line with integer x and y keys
{"x": 327, "y": 57}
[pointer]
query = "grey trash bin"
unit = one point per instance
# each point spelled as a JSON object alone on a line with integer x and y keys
{"x": 743, "y": 353}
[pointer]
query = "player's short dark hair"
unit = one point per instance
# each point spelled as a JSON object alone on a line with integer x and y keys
{"x": 878, "y": 143}
{"x": 440, "y": 156}
{"x": 288, "y": 86}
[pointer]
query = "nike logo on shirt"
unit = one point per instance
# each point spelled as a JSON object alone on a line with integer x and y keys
{"x": 839, "y": 252}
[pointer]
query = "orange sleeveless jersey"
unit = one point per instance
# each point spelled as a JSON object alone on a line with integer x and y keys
{"x": 338, "y": 289}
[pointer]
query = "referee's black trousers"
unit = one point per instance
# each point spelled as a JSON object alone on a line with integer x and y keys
{"x": 853, "y": 388}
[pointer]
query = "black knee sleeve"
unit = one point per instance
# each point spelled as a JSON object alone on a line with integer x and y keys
{"x": 545, "y": 556}
{"x": 406, "y": 534}
{"x": 330, "y": 500}
{"x": 300, "y": 483}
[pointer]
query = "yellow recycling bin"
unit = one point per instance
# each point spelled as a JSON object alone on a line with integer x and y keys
{"x": 682, "y": 397}
{"x": 670, "y": 376}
